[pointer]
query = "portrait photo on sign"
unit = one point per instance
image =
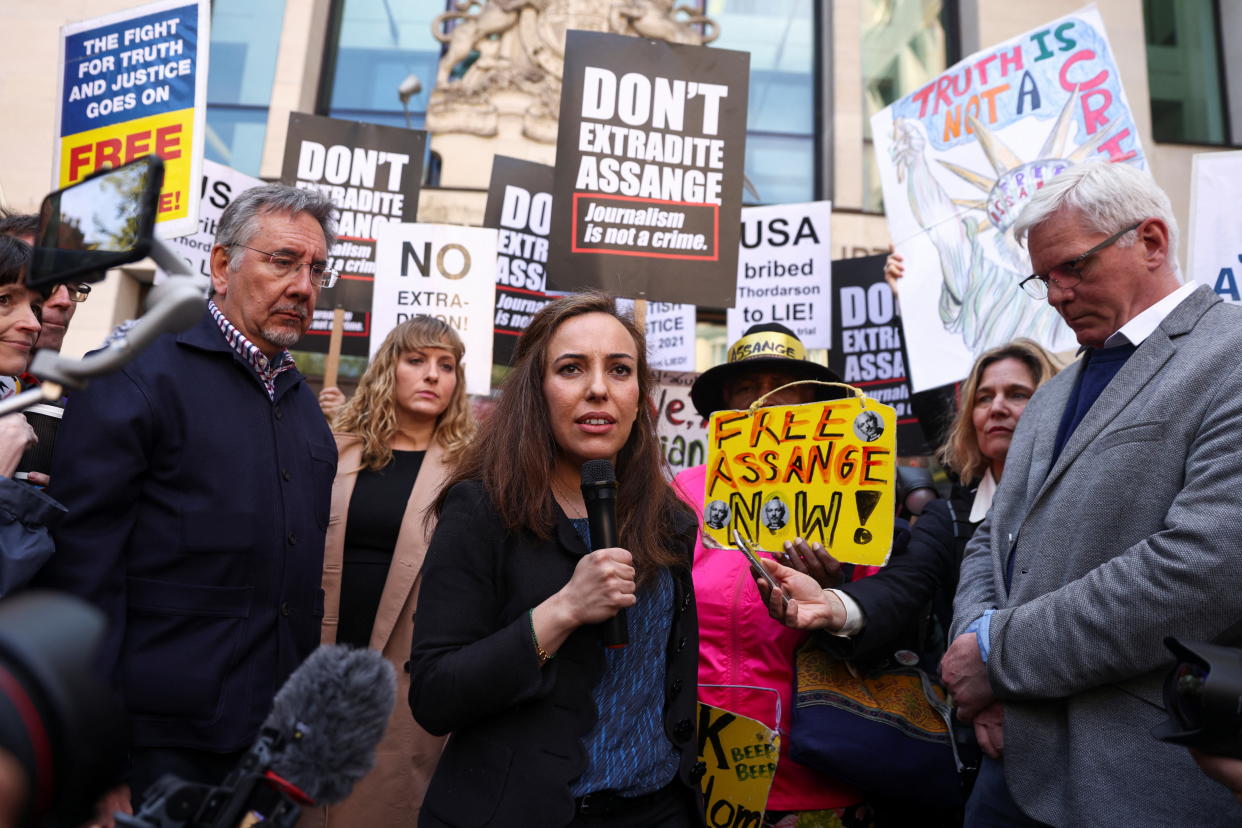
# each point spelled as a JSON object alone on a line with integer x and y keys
{"x": 775, "y": 514}
{"x": 716, "y": 515}
{"x": 868, "y": 426}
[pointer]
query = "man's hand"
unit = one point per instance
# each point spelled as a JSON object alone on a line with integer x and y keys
{"x": 964, "y": 673}
{"x": 990, "y": 730}
{"x": 117, "y": 799}
{"x": 16, "y": 436}
{"x": 800, "y": 603}
{"x": 894, "y": 269}
{"x": 331, "y": 401}
{"x": 1223, "y": 769}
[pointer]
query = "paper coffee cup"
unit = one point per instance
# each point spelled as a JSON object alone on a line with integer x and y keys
{"x": 45, "y": 420}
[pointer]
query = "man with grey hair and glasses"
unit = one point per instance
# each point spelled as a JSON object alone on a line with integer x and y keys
{"x": 1113, "y": 527}
{"x": 197, "y": 483}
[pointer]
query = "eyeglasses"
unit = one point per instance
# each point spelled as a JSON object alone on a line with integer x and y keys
{"x": 285, "y": 266}
{"x": 79, "y": 292}
{"x": 1068, "y": 274}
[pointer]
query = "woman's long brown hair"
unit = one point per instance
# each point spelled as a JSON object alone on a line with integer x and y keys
{"x": 515, "y": 452}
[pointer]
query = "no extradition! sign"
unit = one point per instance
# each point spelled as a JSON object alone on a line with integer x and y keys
{"x": 444, "y": 271}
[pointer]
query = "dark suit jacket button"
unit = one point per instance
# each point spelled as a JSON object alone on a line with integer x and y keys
{"x": 698, "y": 771}
{"x": 276, "y": 412}
{"x": 685, "y": 602}
{"x": 284, "y": 609}
{"x": 675, "y": 687}
{"x": 683, "y": 730}
{"x": 681, "y": 645}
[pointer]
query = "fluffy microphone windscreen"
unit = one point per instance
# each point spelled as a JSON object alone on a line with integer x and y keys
{"x": 334, "y": 708}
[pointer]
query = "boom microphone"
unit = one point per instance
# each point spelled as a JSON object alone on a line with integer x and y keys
{"x": 337, "y": 706}
{"x": 599, "y": 490}
{"x": 316, "y": 743}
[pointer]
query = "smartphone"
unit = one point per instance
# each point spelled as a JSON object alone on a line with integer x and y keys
{"x": 755, "y": 566}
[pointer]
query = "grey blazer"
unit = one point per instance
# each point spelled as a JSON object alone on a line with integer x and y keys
{"x": 1130, "y": 536}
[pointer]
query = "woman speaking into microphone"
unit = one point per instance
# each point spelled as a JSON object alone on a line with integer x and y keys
{"x": 549, "y": 727}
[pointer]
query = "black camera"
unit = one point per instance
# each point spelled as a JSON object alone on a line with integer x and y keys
{"x": 250, "y": 790}
{"x": 61, "y": 725}
{"x": 1203, "y": 697}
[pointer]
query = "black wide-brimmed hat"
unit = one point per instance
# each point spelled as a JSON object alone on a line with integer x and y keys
{"x": 768, "y": 346}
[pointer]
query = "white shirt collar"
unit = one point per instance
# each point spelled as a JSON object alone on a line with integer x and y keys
{"x": 1143, "y": 325}
{"x": 983, "y": 497}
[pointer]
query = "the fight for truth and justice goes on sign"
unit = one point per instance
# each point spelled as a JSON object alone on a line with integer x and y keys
{"x": 134, "y": 83}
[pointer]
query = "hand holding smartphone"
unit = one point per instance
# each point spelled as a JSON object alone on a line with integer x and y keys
{"x": 756, "y": 567}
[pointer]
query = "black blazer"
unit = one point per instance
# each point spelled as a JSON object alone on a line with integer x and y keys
{"x": 921, "y": 574}
{"x": 517, "y": 730}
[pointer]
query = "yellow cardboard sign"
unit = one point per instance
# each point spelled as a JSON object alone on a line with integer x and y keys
{"x": 170, "y": 135}
{"x": 823, "y": 471}
{"x": 740, "y": 755}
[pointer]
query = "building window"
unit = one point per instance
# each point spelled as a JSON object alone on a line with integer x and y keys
{"x": 1185, "y": 74}
{"x": 374, "y": 45}
{"x": 905, "y": 43}
{"x": 245, "y": 36}
{"x": 780, "y": 138}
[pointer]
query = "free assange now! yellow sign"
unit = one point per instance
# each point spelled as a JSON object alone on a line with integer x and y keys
{"x": 822, "y": 471}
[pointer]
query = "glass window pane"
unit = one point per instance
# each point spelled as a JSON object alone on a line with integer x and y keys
{"x": 381, "y": 42}
{"x": 1183, "y": 71}
{"x": 903, "y": 47}
{"x": 781, "y": 168}
{"x": 780, "y": 144}
{"x": 235, "y": 136}
{"x": 245, "y": 36}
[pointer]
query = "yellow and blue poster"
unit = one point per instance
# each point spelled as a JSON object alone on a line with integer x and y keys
{"x": 134, "y": 83}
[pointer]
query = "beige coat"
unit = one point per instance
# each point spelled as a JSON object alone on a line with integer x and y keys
{"x": 392, "y": 792}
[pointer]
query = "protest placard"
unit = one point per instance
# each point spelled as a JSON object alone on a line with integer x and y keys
{"x": 134, "y": 83}
{"x": 821, "y": 471}
{"x": 961, "y": 156}
{"x": 740, "y": 755}
{"x": 670, "y": 334}
{"x": 649, "y": 169}
{"x": 519, "y": 205}
{"x": 373, "y": 175}
{"x": 441, "y": 270}
{"x": 1215, "y": 257}
{"x": 867, "y": 347}
{"x": 682, "y": 432}
{"x": 220, "y": 185}
{"x": 784, "y": 272}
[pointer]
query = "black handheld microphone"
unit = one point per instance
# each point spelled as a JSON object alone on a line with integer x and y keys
{"x": 599, "y": 490}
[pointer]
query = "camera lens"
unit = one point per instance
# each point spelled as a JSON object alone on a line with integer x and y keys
{"x": 1188, "y": 693}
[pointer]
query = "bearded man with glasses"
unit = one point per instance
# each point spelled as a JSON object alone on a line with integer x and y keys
{"x": 197, "y": 483}
{"x": 1112, "y": 528}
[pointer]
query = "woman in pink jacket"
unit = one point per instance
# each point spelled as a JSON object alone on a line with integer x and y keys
{"x": 746, "y": 659}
